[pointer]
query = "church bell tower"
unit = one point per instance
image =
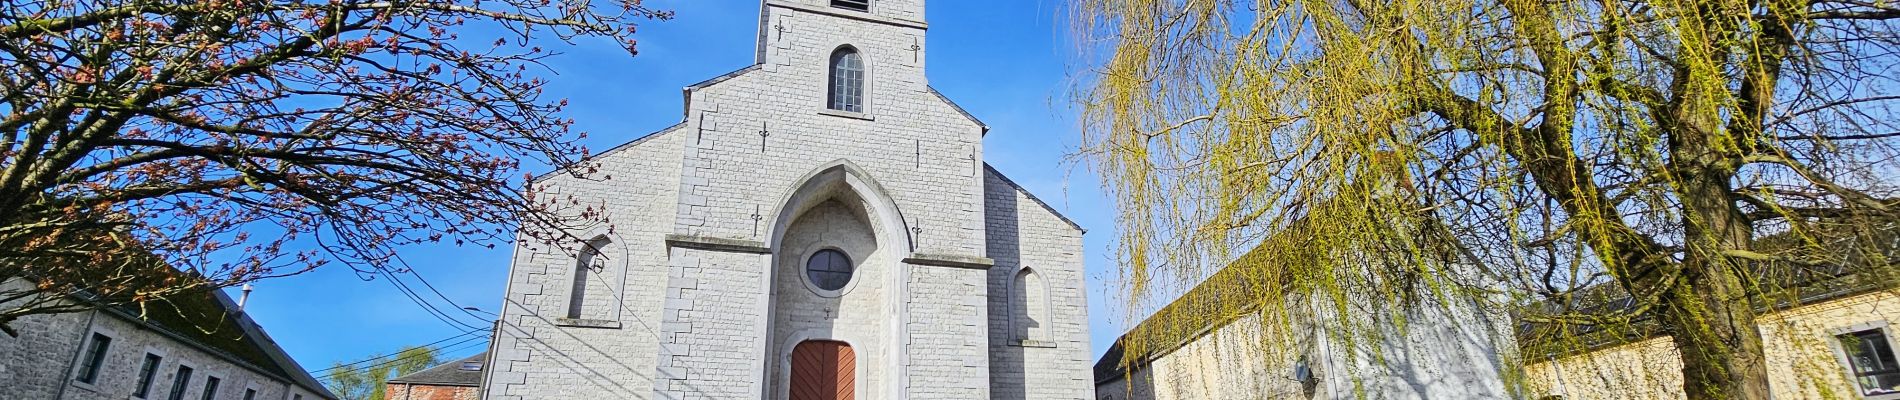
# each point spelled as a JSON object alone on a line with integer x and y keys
{"x": 893, "y": 28}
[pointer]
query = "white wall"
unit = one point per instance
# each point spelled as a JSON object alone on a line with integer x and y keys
{"x": 1447, "y": 349}
{"x": 859, "y": 314}
{"x": 696, "y": 322}
{"x": 1025, "y": 233}
{"x": 538, "y": 356}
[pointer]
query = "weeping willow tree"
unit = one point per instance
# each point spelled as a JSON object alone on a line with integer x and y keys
{"x": 1607, "y": 166}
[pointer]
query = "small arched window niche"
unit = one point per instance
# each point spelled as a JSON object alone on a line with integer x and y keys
{"x": 846, "y": 86}
{"x": 591, "y": 295}
{"x": 1029, "y": 322}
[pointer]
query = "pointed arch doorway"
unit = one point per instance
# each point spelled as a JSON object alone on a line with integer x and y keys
{"x": 824, "y": 370}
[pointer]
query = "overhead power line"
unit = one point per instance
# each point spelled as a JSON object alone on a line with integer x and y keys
{"x": 464, "y": 344}
{"x": 373, "y": 359}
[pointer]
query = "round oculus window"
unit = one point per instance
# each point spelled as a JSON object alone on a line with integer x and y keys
{"x": 829, "y": 269}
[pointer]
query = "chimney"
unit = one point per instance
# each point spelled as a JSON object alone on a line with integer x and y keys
{"x": 245, "y": 297}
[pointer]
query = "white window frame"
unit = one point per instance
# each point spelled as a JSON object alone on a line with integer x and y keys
{"x": 865, "y": 86}
{"x": 1847, "y": 363}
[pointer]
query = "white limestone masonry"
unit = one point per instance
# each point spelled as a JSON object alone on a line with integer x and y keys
{"x": 704, "y": 294}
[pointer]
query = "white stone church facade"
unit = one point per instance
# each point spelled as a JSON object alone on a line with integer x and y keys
{"x": 820, "y": 225}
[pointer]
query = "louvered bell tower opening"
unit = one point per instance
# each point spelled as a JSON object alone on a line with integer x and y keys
{"x": 854, "y": 5}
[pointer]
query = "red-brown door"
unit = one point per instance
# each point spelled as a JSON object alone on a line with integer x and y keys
{"x": 824, "y": 370}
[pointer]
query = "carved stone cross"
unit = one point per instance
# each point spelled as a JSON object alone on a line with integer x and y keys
{"x": 755, "y": 220}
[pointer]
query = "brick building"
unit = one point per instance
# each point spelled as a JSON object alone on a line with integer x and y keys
{"x": 820, "y": 225}
{"x": 455, "y": 380}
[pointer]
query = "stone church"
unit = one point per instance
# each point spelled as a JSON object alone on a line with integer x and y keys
{"x": 821, "y": 225}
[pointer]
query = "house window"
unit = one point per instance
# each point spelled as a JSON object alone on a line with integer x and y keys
{"x": 1872, "y": 360}
{"x": 847, "y": 80}
{"x": 853, "y": 5}
{"x": 211, "y": 388}
{"x": 95, "y": 356}
{"x": 829, "y": 269}
{"x": 147, "y": 372}
{"x": 179, "y": 382}
{"x": 591, "y": 265}
{"x": 250, "y": 394}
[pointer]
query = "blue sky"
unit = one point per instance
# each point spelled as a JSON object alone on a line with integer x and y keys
{"x": 1006, "y": 61}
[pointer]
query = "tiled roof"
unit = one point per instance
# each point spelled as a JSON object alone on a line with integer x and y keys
{"x": 463, "y": 372}
{"x": 1229, "y": 294}
{"x": 211, "y": 321}
{"x": 1859, "y": 269}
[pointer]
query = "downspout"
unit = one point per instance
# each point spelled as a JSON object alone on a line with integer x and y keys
{"x": 78, "y": 349}
{"x": 1325, "y": 348}
{"x": 488, "y": 359}
{"x": 1562, "y": 389}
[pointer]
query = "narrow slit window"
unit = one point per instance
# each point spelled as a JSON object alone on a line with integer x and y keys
{"x": 211, "y": 388}
{"x": 853, "y": 5}
{"x": 147, "y": 372}
{"x": 179, "y": 383}
{"x": 847, "y": 80}
{"x": 95, "y": 357}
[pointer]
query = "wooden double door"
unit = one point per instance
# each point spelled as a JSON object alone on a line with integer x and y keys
{"x": 824, "y": 370}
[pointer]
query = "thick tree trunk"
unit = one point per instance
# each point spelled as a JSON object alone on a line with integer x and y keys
{"x": 1714, "y": 329}
{"x": 1708, "y": 309}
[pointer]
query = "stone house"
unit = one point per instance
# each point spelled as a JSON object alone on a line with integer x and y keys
{"x": 454, "y": 380}
{"x": 820, "y": 225}
{"x": 193, "y": 346}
